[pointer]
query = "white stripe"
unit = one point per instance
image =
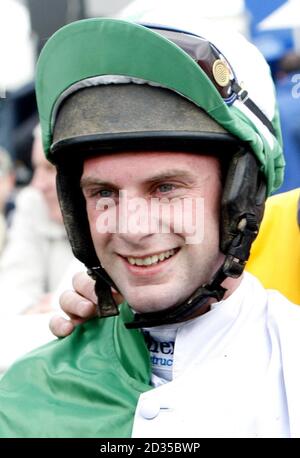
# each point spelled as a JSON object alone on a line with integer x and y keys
{"x": 263, "y": 130}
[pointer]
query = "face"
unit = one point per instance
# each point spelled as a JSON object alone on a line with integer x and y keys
{"x": 159, "y": 265}
{"x": 44, "y": 179}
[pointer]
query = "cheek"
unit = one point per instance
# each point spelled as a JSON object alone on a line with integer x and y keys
{"x": 92, "y": 215}
{"x": 198, "y": 220}
{"x": 100, "y": 237}
{"x": 212, "y": 206}
{"x": 211, "y": 225}
{"x": 90, "y": 210}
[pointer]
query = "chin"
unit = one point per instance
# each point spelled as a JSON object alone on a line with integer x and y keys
{"x": 152, "y": 302}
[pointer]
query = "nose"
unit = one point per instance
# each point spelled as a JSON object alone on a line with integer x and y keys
{"x": 137, "y": 221}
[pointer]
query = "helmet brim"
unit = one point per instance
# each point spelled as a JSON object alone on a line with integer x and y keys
{"x": 138, "y": 117}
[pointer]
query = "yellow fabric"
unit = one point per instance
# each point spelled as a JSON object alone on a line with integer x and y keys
{"x": 275, "y": 255}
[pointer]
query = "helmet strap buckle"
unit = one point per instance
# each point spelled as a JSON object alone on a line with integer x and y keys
{"x": 239, "y": 249}
{"x": 106, "y": 305}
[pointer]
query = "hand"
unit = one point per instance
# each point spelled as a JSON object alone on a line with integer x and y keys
{"x": 79, "y": 305}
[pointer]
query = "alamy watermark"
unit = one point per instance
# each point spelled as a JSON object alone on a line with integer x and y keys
{"x": 152, "y": 216}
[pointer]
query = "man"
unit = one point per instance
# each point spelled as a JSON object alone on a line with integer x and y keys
{"x": 154, "y": 138}
{"x": 276, "y": 265}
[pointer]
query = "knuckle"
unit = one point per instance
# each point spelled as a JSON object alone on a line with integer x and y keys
{"x": 67, "y": 299}
{"x": 78, "y": 280}
{"x": 54, "y": 325}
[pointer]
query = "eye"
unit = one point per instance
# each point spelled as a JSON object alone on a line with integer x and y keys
{"x": 105, "y": 193}
{"x": 166, "y": 187}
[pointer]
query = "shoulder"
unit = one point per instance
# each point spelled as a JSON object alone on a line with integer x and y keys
{"x": 73, "y": 387}
{"x": 68, "y": 350}
{"x": 50, "y": 383}
{"x": 94, "y": 347}
{"x": 276, "y": 305}
{"x": 283, "y": 315}
{"x": 49, "y": 364}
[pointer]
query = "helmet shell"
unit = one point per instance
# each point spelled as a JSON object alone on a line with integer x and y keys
{"x": 98, "y": 47}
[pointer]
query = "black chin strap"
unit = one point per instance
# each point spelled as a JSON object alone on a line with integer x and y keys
{"x": 233, "y": 266}
{"x": 106, "y": 305}
{"x": 185, "y": 310}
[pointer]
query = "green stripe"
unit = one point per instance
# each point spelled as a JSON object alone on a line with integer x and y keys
{"x": 86, "y": 385}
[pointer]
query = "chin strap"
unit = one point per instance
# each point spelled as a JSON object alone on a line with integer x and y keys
{"x": 106, "y": 305}
{"x": 185, "y": 310}
{"x": 233, "y": 266}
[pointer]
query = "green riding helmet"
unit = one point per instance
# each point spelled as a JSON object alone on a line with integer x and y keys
{"x": 106, "y": 85}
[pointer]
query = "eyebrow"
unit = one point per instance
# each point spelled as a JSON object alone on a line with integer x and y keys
{"x": 85, "y": 182}
{"x": 173, "y": 173}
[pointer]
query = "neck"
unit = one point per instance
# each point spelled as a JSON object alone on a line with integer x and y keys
{"x": 230, "y": 284}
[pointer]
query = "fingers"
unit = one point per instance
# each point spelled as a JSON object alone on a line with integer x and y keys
{"x": 77, "y": 307}
{"x": 60, "y": 327}
{"x": 84, "y": 285}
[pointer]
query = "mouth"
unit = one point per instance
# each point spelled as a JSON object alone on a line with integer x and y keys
{"x": 151, "y": 260}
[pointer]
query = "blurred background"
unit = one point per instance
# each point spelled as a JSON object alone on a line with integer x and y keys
{"x": 34, "y": 252}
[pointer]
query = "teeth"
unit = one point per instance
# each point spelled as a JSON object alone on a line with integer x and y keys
{"x": 147, "y": 262}
{"x": 150, "y": 260}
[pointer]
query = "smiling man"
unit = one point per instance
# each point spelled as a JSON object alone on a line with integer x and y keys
{"x": 151, "y": 131}
{"x": 155, "y": 270}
